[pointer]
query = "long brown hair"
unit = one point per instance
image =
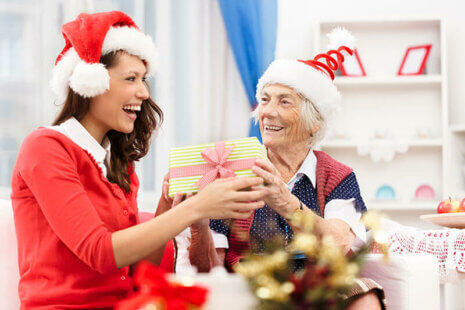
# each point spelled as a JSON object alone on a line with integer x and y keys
{"x": 125, "y": 148}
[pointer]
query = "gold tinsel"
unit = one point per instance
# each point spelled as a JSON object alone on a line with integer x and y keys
{"x": 323, "y": 251}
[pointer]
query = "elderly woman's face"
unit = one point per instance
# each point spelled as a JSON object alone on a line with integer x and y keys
{"x": 279, "y": 113}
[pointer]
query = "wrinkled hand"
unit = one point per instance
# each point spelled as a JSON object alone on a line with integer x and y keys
{"x": 226, "y": 198}
{"x": 165, "y": 202}
{"x": 276, "y": 195}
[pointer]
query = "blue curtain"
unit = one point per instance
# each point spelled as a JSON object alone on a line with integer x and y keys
{"x": 251, "y": 26}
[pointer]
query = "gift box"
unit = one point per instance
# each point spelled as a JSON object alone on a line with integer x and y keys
{"x": 193, "y": 167}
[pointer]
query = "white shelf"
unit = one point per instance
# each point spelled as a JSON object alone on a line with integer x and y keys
{"x": 386, "y": 21}
{"x": 352, "y": 144}
{"x": 427, "y": 205}
{"x": 435, "y": 79}
{"x": 402, "y": 106}
{"x": 457, "y": 128}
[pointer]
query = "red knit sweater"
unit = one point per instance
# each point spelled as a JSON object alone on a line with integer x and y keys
{"x": 65, "y": 212}
{"x": 329, "y": 173}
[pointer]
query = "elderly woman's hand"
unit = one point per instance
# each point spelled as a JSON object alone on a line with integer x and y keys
{"x": 277, "y": 196}
{"x": 165, "y": 203}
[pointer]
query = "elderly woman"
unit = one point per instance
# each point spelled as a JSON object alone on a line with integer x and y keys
{"x": 295, "y": 100}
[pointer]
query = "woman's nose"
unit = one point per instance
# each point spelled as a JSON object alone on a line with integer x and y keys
{"x": 142, "y": 91}
{"x": 269, "y": 109}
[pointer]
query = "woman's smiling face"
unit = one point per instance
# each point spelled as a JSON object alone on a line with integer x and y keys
{"x": 279, "y": 114}
{"x": 117, "y": 108}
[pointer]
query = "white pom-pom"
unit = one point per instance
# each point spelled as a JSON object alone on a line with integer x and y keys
{"x": 90, "y": 80}
{"x": 62, "y": 72}
{"x": 340, "y": 36}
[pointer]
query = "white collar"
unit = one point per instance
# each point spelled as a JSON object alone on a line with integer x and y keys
{"x": 76, "y": 132}
{"x": 307, "y": 168}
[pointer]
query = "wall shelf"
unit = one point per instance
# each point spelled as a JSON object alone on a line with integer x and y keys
{"x": 401, "y": 106}
{"x": 434, "y": 79}
{"x": 427, "y": 206}
{"x": 351, "y": 143}
{"x": 459, "y": 128}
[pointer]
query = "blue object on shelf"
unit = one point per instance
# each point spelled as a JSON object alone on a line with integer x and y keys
{"x": 385, "y": 192}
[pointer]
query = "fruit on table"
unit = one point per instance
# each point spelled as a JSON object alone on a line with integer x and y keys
{"x": 444, "y": 206}
{"x": 451, "y": 206}
{"x": 462, "y": 205}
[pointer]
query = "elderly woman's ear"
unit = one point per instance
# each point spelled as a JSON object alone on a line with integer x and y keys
{"x": 314, "y": 130}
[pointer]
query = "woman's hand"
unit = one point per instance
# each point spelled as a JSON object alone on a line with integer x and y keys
{"x": 178, "y": 198}
{"x": 276, "y": 195}
{"x": 226, "y": 198}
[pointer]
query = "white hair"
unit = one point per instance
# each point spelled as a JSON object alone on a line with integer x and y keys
{"x": 310, "y": 117}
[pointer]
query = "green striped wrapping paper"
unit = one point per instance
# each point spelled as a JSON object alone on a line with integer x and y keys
{"x": 191, "y": 155}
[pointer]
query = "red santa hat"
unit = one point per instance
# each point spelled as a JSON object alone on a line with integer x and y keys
{"x": 312, "y": 78}
{"x": 89, "y": 37}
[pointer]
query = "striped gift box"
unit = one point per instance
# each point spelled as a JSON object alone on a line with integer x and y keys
{"x": 186, "y": 162}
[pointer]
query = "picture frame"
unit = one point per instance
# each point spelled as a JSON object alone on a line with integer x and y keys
{"x": 414, "y": 60}
{"x": 352, "y": 66}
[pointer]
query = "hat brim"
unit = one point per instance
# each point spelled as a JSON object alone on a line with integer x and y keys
{"x": 310, "y": 82}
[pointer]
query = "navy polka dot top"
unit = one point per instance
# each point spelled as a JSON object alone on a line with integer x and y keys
{"x": 268, "y": 223}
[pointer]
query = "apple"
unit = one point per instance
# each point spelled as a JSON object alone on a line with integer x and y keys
{"x": 462, "y": 206}
{"x": 455, "y": 205}
{"x": 451, "y": 206}
{"x": 444, "y": 206}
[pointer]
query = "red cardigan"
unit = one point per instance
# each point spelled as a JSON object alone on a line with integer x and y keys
{"x": 65, "y": 212}
{"x": 329, "y": 173}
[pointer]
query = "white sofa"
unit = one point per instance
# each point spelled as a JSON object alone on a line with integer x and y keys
{"x": 410, "y": 282}
{"x": 8, "y": 258}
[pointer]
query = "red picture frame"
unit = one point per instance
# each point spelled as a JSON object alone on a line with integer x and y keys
{"x": 352, "y": 66}
{"x": 414, "y": 60}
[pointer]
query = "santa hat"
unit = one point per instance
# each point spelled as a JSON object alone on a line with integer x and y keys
{"x": 312, "y": 78}
{"x": 89, "y": 37}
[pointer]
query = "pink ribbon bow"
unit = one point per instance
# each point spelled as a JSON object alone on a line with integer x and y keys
{"x": 217, "y": 165}
{"x": 217, "y": 157}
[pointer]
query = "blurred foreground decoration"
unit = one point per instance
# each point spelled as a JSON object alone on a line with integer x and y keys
{"x": 326, "y": 274}
{"x": 155, "y": 292}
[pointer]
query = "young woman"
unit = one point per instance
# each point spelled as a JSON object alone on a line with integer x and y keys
{"x": 74, "y": 188}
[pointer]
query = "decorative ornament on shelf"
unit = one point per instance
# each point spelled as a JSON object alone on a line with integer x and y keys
{"x": 326, "y": 274}
{"x": 382, "y": 149}
{"x": 353, "y": 67}
{"x": 414, "y": 60}
{"x": 385, "y": 192}
{"x": 424, "y": 192}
